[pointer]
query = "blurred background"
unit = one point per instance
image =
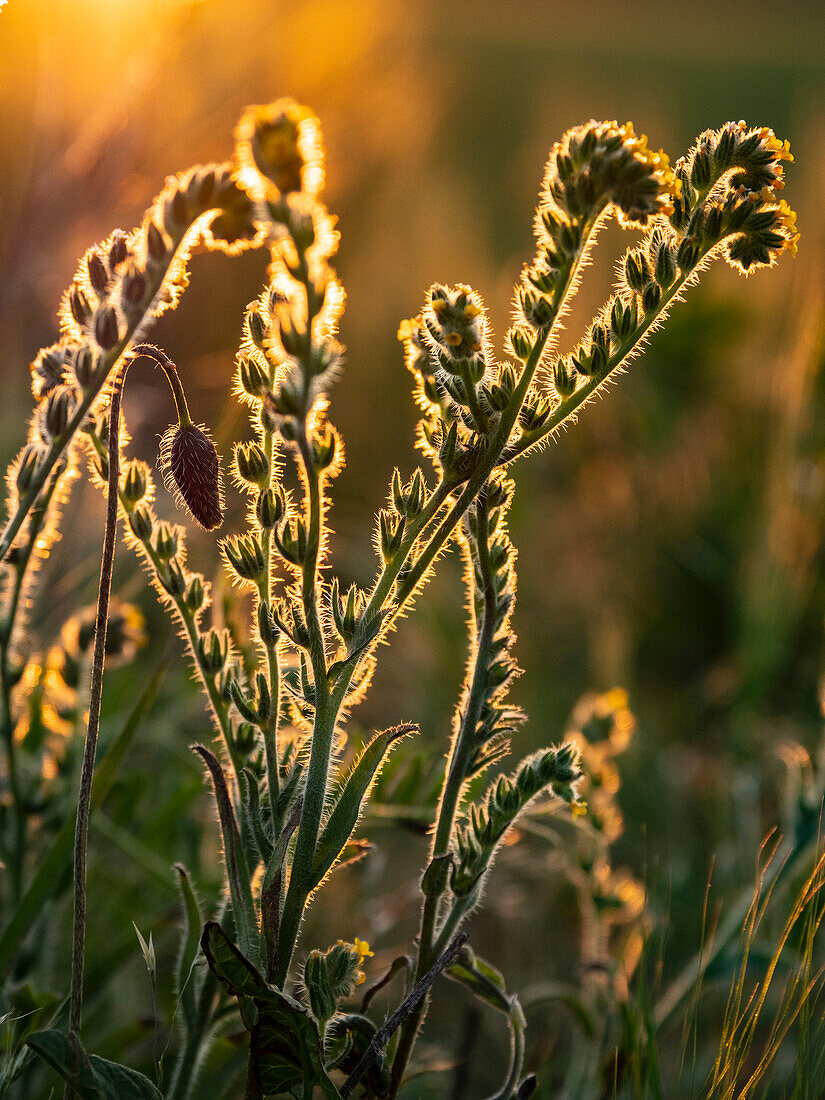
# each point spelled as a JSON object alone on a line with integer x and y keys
{"x": 673, "y": 543}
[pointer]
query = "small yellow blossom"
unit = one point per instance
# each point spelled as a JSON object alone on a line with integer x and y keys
{"x": 363, "y": 949}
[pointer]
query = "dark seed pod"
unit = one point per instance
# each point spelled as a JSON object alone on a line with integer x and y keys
{"x": 192, "y": 470}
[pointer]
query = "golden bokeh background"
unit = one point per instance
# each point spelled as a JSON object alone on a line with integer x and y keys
{"x": 674, "y": 542}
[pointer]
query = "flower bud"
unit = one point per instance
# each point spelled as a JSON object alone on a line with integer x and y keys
{"x": 245, "y": 555}
{"x": 85, "y": 364}
{"x": 213, "y": 651}
{"x": 254, "y": 378}
{"x": 118, "y": 249}
{"x": 665, "y": 265}
{"x": 79, "y": 306}
{"x": 257, "y": 328}
{"x": 651, "y": 297}
{"x": 98, "y": 272}
{"x": 269, "y": 508}
{"x": 195, "y": 594}
{"x": 165, "y": 542}
{"x": 140, "y": 521}
{"x": 194, "y": 468}
{"x": 60, "y": 405}
{"x": 28, "y": 463}
{"x": 252, "y": 464}
{"x": 155, "y": 243}
{"x": 268, "y": 629}
{"x": 107, "y": 327}
{"x": 134, "y": 484}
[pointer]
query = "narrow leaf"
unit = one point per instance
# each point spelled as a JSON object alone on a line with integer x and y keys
{"x": 236, "y": 868}
{"x": 189, "y": 945}
{"x": 347, "y": 809}
{"x": 271, "y": 889}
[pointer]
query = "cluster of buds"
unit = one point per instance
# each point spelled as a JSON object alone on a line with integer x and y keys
{"x": 725, "y": 199}
{"x": 406, "y": 501}
{"x": 729, "y": 184}
{"x": 346, "y": 610}
{"x": 130, "y": 277}
{"x": 595, "y": 167}
{"x": 447, "y": 348}
{"x": 556, "y": 770}
{"x": 331, "y": 976}
{"x": 603, "y": 162}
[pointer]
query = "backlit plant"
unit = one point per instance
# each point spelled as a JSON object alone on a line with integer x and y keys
{"x": 288, "y": 795}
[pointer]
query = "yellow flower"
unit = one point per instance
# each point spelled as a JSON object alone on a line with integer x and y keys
{"x": 363, "y": 949}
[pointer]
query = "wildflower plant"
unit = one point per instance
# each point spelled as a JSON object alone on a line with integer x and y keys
{"x": 289, "y": 798}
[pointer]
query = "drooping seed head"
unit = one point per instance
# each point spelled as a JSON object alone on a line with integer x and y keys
{"x": 191, "y": 469}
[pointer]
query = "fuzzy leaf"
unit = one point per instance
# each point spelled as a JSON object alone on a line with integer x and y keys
{"x": 286, "y": 1047}
{"x": 481, "y": 979}
{"x": 347, "y": 810}
{"x": 189, "y": 947}
{"x": 91, "y": 1077}
{"x": 237, "y": 872}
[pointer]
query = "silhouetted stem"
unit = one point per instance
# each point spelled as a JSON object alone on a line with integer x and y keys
{"x": 98, "y": 660}
{"x": 81, "y": 835}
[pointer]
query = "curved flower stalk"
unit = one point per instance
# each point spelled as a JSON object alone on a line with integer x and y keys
{"x": 200, "y": 485}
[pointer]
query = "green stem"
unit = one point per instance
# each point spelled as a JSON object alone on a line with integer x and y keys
{"x": 463, "y": 743}
{"x": 429, "y": 942}
{"x": 323, "y": 727}
{"x": 270, "y": 731}
{"x": 219, "y": 706}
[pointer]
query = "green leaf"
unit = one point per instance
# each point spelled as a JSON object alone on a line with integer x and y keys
{"x": 347, "y": 809}
{"x": 250, "y": 796}
{"x": 189, "y": 947}
{"x": 487, "y": 984}
{"x": 271, "y": 890}
{"x": 286, "y": 1047}
{"x": 229, "y": 965}
{"x": 50, "y": 874}
{"x": 91, "y": 1077}
{"x": 480, "y": 978}
{"x": 237, "y": 871}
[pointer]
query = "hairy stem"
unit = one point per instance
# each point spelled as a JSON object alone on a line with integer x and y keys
{"x": 323, "y": 727}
